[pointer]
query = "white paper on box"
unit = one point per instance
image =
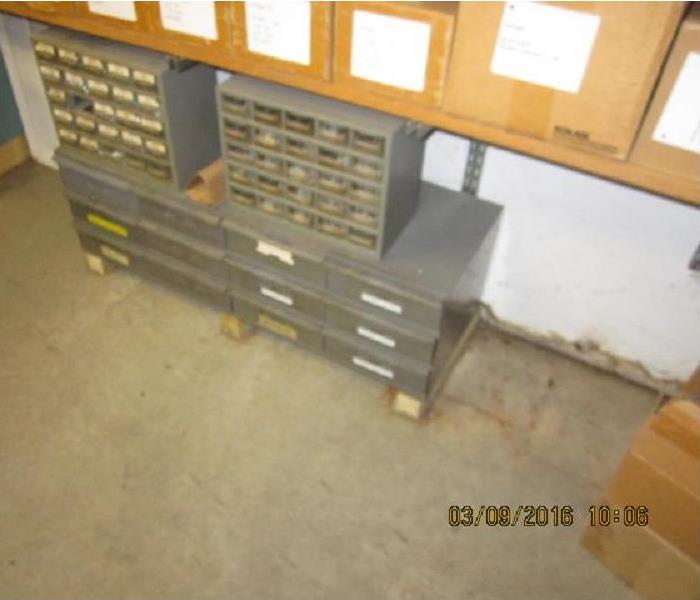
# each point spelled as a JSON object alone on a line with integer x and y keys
{"x": 126, "y": 11}
{"x": 544, "y": 45}
{"x": 193, "y": 18}
{"x": 279, "y": 29}
{"x": 445, "y": 160}
{"x": 679, "y": 124}
{"x": 390, "y": 50}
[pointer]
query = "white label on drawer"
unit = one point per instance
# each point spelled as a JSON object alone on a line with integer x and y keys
{"x": 62, "y": 115}
{"x": 104, "y": 109}
{"x": 280, "y": 29}
{"x": 122, "y": 94}
{"x": 145, "y": 78}
{"x": 126, "y": 11}
{"x": 192, "y": 18}
{"x": 156, "y": 148}
{"x": 112, "y": 254}
{"x": 376, "y": 337}
{"x": 151, "y": 125}
{"x": 68, "y": 135}
{"x": 98, "y": 87}
{"x": 88, "y": 143}
{"x": 679, "y": 124}
{"x": 131, "y": 138}
{"x": 56, "y": 94}
{"x": 44, "y": 48}
{"x": 107, "y": 130}
{"x": 150, "y": 101}
{"x": 267, "y": 292}
{"x": 49, "y": 72}
{"x": 74, "y": 80}
{"x": 280, "y": 254}
{"x": 118, "y": 70}
{"x": 92, "y": 63}
{"x": 84, "y": 122}
{"x": 365, "y": 364}
{"x": 544, "y": 45}
{"x": 381, "y": 303}
{"x": 390, "y": 50}
{"x": 67, "y": 55}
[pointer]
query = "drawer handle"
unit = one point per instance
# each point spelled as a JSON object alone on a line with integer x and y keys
{"x": 277, "y": 327}
{"x": 376, "y": 337}
{"x": 365, "y": 364}
{"x": 381, "y": 303}
{"x": 112, "y": 254}
{"x": 276, "y": 296}
{"x": 280, "y": 254}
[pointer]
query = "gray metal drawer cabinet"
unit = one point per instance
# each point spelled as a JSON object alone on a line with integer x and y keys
{"x": 391, "y": 369}
{"x": 119, "y": 252}
{"x": 274, "y": 289}
{"x": 284, "y": 323}
{"x": 208, "y": 259}
{"x": 356, "y": 323}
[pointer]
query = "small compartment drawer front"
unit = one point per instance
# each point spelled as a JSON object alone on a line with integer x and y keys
{"x": 98, "y": 187}
{"x": 407, "y": 376}
{"x": 106, "y": 221}
{"x": 279, "y": 322}
{"x": 181, "y": 219}
{"x": 386, "y": 302}
{"x": 380, "y": 334}
{"x": 277, "y": 257}
{"x": 179, "y": 247}
{"x": 275, "y": 290}
{"x": 183, "y": 279}
{"x": 120, "y": 254}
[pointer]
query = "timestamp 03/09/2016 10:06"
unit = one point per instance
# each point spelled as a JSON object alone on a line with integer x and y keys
{"x": 531, "y": 515}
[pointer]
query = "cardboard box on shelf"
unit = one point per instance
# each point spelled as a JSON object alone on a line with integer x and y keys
{"x": 578, "y": 74}
{"x": 395, "y": 49}
{"x": 669, "y": 139}
{"x": 294, "y": 37}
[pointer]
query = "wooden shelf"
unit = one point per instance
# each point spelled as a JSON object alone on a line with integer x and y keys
{"x": 616, "y": 170}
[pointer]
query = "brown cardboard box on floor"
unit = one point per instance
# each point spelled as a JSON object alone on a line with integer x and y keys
{"x": 395, "y": 49}
{"x": 661, "y": 471}
{"x": 579, "y": 74}
{"x": 674, "y": 147}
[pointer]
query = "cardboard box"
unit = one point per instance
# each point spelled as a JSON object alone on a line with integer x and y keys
{"x": 674, "y": 147}
{"x": 395, "y": 49}
{"x": 283, "y": 36}
{"x": 644, "y": 560}
{"x": 578, "y": 74}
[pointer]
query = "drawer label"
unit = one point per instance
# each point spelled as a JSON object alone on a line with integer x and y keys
{"x": 370, "y": 366}
{"x": 276, "y": 296}
{"x": 104, "y": 109}
{"x": 275, "y": 326}
{"x": 381, "y": 303}
{"x": 50, "y": 72}
{"x": 74, "y": 80}
{"x": 376, "y": 337}
{"x": 118, "y": 70}
{"x": 122, "y": 94}
{"x": 43, "y": 48}
{"x": 112, "y": 254}
{"x": 67, "y": 56}
{"x": 280, "y": 254}
{"x": 62, "y": 115}
{"x": 149, "y": 101}
{"x": 107, "y": 130}
{"x": 144, "y": 78}
{"x": 107, "y": 225}
{"x": 92, "y": 63}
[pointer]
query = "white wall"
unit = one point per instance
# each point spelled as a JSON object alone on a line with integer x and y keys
{"x": 577, "y": 256}
{"x": 588, "y": 259}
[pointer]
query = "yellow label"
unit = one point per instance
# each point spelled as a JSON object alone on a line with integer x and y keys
{"x": 108, "y": 225}
{"x": 276, "y": 327}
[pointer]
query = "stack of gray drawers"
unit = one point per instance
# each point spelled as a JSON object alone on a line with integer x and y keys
{"x": 345, "y": 174}
{"x": 151, "y": 115}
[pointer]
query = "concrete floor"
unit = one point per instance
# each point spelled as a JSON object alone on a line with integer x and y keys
{"x": 144, "y": 455}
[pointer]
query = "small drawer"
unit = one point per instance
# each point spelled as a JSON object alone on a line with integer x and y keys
{"x": 75, "y": 81}
{"x": 133, "y": 140}
{"x": 267, "y": 115}
{"x": 49, "y": 73}
{"x": 241, "y": 196}
{"x": 110, "y": 223}
{"x": 363, "y": 216}
{"x": 363, "y": 193}
{"x": 268, "y": 140}
{"x": 331, "y": 206}
{"x": 89, "y": 143}
{"x": 334, "y": 134}
{"x": 366, "y": 169}
{"x": 148, "y": 101}
{"x": 267, "y": 163}
{"x": 331, "y": 228}
{"x": 159, "y": 170}
{"x": 299, "y": 148}
{"x": 332, "y": 183}
{"x": 67, "y": 136}
{"x": 85, "y": 123}
{"x": 123, "y": 95}
{"x": 152, "y": 126}
{"x": 190, "y": 220}
{"x": 98, "y": 88}
{"x": 241, "y": 175}
{"x": 299, "y": 123}
{"x": 96, "y": 186}
{"x": 272, "y": 207}
{"x": 300, "y": 173}
{"x": 109, "y": 132}
{"x": 237, "y": 132}
{"x": 278, "y": 257}
{"x": 300, "y": 217}
{"x": 92, "y": 64}
{"x": 384, "y": 300}
{"x": 269, "y": 185}
{"x": 235, "y": 105}
{"x": 68, "y": 57}
{"x": 301, "y": 196}
{"x": 145, "y": 80}
{"x": 128, "y": 118}
{"x": 274, "y": 290}
{"x": 283, "y": 323}
{"x": 56, "y": 94}
{"x": 407, "y": 375}
{"x": 186, "y": 280}
{"x": 45, "y": 50}
{"x": 156, "y": 148}
{"x": 61, "y": 115}
{"x": 118, "y": 72}
{"x": 183, "y": 248}
{"x": 357, "y": 325}
{"x": 333, "y": 160}
{"x": 119, "y": 253}
{"x": 361, "y": 238}
{"x": 104, "y": 110}
{"x": 365, "y": 142}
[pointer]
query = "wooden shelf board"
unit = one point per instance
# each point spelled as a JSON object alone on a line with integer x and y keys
{"x": 616, "y": 170}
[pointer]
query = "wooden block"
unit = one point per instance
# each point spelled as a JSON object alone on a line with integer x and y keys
{"x": 407, "y": 406}
{"x": 13, "y": 153}
{"x": 97, "y": 264}
{"x": 233, "y": 327}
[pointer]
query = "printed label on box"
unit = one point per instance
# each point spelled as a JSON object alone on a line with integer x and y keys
{"x": 390, "y": 50}
{"x": 544, "y": 45}
{"x": 126, "y": 11}
{"x": 192, "y": 18}
{"x": 280, "y": 29}
{"x": 679, "y": 124}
